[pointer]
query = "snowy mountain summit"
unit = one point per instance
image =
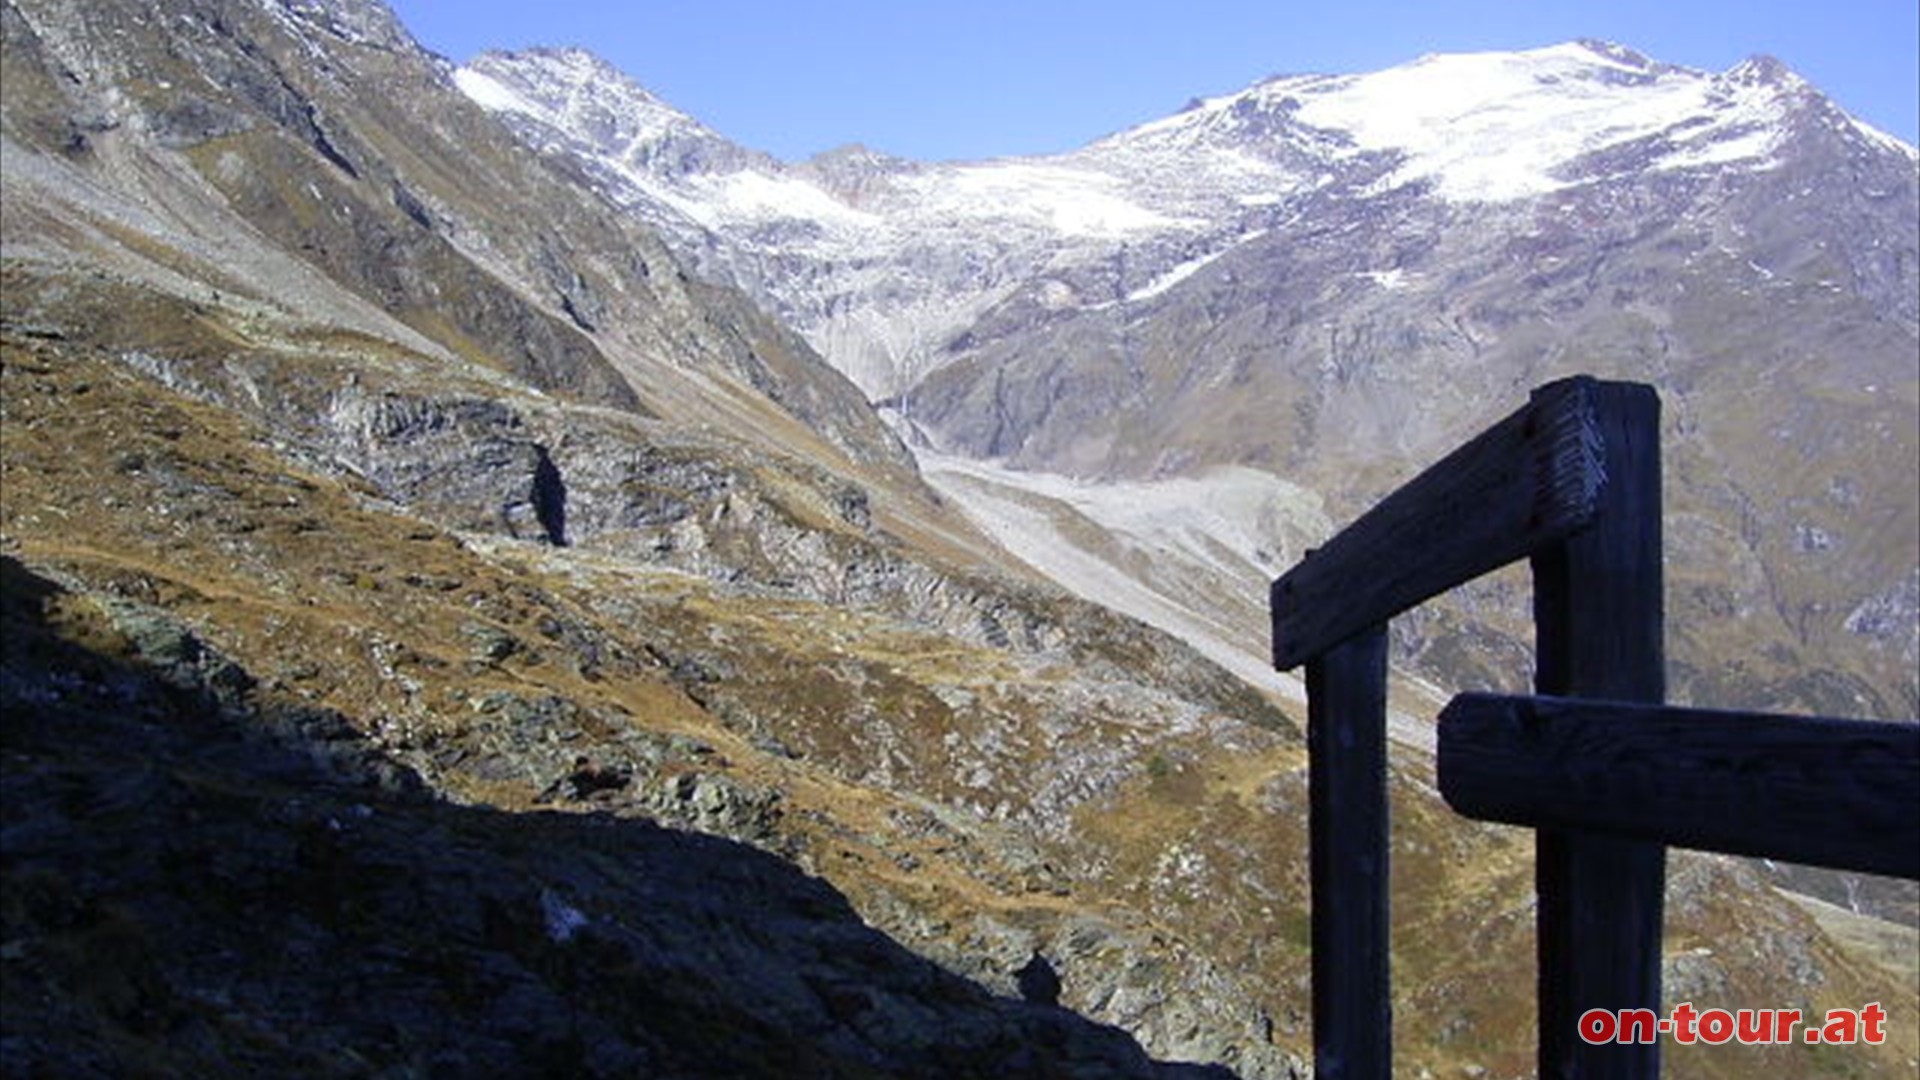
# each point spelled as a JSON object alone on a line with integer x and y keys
{"x": 885, "y": 263}
{"x": 1498, "y": 126}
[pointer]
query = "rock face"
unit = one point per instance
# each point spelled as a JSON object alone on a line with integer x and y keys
{"x": 442, "y": 635}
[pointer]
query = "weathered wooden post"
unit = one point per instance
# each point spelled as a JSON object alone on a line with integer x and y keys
{"x": 1599, "y": 623}
{"x": 1347, "y": 774}
{"x": 1815, "y": 790}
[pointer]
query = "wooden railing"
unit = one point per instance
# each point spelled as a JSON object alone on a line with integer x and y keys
{"x": 1606, "y": 774}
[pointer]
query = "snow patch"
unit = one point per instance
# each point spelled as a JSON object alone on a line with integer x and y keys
{"x": 1757, "y": 145}
{"x": 1173, "y": 277}
{"x": 1884, "y": 140}
{"x": 1492, "y": 127}
{"x": 1185, "y": 270}
{"x": 755, "y": 194}
{"x": 490, "y": 93}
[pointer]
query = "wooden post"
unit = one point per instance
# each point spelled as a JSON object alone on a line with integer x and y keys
{"x": 1347, "y": 741}
{"x": 1598, "y": 614}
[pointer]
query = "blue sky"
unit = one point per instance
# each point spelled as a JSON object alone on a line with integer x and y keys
{"x": 945, "y": 79}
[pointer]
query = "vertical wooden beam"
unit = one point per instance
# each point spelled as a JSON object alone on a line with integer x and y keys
{"x": 1598, "y": 614}
{"x": 1347, "y": 744}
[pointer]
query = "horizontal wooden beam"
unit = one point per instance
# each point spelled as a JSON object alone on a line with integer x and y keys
{"x": 1528, "y": 481}
{"x": 1843, "y": 794}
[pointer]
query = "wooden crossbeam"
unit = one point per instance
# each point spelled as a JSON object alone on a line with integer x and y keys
{"x": 1524, "y": 483}
{"x": 1843, "y": 794}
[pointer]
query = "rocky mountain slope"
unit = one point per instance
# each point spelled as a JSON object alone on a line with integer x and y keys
{"x": 1331, "y": 279}
{"x": 256, "y": 711}
{"x": 444, "y": 634}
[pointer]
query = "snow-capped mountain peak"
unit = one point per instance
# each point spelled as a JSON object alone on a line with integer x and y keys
{"x": 885, "y": 264}
{"x": 1498, "y": 126}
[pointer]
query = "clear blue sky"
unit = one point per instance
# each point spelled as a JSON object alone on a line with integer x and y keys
{"x": 960, "y": 79}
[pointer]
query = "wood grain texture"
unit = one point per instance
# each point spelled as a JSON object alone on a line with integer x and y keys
{"x": 1837, "y": 793}
{"x": 1347, "y": 774}
{"x": 1526, "y": 482}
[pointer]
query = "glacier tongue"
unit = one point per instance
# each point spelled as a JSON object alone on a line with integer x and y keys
{"x": 1189, "y": 555}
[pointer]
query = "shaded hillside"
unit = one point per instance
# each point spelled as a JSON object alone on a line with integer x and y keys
{"x": 203, "y": 881}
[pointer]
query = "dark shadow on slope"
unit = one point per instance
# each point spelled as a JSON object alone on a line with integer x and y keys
{"x": 186, "y": 895}
{"x": 549, "y": 498}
